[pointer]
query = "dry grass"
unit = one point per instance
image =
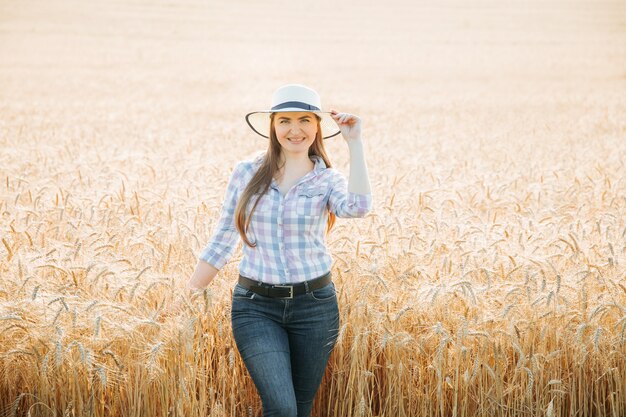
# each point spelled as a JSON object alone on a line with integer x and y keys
{"x": 488, "y": 280}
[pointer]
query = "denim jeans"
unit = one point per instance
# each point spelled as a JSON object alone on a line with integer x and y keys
{"x": 285, "y": 345}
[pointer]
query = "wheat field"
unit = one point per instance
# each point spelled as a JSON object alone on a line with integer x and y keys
{"x": 489, "y": 279}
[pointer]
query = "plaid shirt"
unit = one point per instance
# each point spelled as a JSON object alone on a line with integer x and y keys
{"x": 288, "y": 230}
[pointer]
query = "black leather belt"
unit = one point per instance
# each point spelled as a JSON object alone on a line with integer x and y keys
{"x": 284, "y": 291}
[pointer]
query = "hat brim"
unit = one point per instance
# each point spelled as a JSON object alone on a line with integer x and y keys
{"x": 259, "y": 121}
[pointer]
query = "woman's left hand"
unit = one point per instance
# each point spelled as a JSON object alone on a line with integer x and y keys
{"x": 349, "y": 125}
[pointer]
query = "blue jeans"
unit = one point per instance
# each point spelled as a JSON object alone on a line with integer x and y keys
{"x": 285, "y": 345}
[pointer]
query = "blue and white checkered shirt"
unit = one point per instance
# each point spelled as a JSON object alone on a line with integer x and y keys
{"x": 288, "y": 231}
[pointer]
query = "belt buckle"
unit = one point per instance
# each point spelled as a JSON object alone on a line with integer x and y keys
{"x": 285, "y": 286}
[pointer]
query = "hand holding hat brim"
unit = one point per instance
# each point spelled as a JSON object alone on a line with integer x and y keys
{"x": 349, "y": 124}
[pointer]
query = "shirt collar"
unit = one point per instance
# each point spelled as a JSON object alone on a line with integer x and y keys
{"x": 320, "y": 165}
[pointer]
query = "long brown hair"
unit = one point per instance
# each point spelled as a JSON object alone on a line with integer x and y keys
{"x": 260, "y": 182}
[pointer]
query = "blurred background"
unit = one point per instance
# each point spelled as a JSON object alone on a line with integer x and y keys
{"x": 143, "y": 70}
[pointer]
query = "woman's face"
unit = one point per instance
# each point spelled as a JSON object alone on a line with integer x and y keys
{"x": 295, "y": 131}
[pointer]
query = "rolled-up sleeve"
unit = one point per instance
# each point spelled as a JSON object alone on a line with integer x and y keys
{"x": 225, "y": 238}
{"x": 344, "y": 203}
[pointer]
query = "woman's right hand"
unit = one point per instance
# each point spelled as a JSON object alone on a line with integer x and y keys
{"x": 172, "y": 309}
{"x": 180, "y": 302}
{"x": 201, "y": 277}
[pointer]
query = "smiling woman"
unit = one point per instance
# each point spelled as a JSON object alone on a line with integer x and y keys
{"x": 285, "y": 316}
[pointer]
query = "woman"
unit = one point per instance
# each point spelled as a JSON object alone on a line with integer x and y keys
{"x": 285, "y": 317}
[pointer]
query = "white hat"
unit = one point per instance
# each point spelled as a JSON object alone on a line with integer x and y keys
{"x": 293, "y": 97}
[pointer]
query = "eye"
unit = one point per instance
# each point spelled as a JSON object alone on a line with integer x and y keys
{"x": 283, "y": 122}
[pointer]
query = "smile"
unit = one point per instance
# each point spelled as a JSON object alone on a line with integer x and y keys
{"x": 296, "y": 141}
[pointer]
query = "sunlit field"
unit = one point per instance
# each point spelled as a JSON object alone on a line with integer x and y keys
{"x": 488, "y": 280}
